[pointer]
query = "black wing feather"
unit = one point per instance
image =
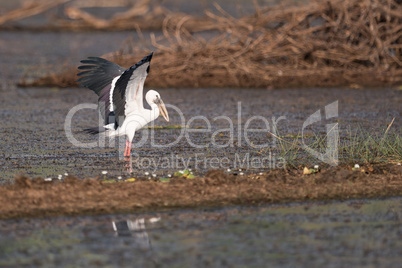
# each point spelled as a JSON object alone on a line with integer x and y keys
{"x": 119, "y": 93}
{"x": 98, "y": 73}
{"x": 95, "y": 130}
{"x": 85, "y": 67}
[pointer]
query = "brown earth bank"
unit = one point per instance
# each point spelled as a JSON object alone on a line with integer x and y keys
{"x": 38, "y": 198}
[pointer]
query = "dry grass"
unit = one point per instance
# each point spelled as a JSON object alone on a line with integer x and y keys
{"x": 330, "y": 43}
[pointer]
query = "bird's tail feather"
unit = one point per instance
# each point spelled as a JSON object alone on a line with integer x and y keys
{"x": 95, "y": 130}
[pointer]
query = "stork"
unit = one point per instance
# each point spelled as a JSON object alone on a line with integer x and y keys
{"x": 120, "y": 99}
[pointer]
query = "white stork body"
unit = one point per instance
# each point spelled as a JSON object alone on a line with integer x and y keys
{"x": 120, "y": 100}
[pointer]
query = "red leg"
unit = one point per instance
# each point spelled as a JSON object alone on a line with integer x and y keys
{"x": 127, "y": 157}
{"x": 127, "y": 149}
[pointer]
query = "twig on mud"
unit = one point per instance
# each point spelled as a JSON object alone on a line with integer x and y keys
{"x": 389, "y": 126}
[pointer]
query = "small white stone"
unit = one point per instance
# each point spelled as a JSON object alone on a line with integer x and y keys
{"x": 241, "y": 174}
{"x": 181, "y": 171}
{"x": 154, "y": 175}
{"x": 316, "y": 167}
{"x": 104, "y": 172}
{"x": 60, "y": 176}
{"x": 399, "y": 164}
{"x": 146, "y": 173}
{"x": 119, "y": 177}
{"x": 154, "y": 219}
{"x": 66, "y": 174}
{"x": 169, "y": 175}
{"x": 48, "y": 179}
{"x": 357, "y": 166}
{"x": 229, "y": 170}
{"x": 260, "y": 173}
{"x": 239, "y": 169}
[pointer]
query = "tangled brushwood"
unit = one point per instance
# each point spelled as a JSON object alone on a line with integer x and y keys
{"x": 324, "y": 43}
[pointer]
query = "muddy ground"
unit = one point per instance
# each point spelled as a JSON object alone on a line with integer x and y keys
{"x": 34, "y": 140}
{"x": 37, "y": 198}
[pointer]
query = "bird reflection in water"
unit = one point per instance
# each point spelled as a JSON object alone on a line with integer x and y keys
{"x": 136, "y": 229}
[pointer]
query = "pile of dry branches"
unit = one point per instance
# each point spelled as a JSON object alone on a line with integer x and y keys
{"x": 327, "y": 43}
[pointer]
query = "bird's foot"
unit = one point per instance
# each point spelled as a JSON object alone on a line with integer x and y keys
{"x": 129, "y": 170}
{"x": 128, "y": 164}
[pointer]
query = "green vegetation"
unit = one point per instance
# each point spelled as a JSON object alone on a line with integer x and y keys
{"x": 184, "y": 173}
{"x": 353, "y": 146}
{"x": 363, "y": 147}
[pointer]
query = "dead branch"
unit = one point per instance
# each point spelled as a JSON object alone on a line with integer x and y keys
{"x": 31, "y": 9}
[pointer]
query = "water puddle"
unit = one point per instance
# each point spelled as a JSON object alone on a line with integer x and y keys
{"x": 345, "y": 234}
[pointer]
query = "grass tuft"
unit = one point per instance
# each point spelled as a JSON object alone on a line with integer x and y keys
{"x": 353, "y": 147}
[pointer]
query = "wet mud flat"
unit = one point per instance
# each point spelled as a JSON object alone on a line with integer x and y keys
{"x": 353, "y": 233}
{"x": 34, "y": 140}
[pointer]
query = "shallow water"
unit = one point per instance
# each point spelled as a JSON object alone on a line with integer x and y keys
{"x": 336, "y": 234}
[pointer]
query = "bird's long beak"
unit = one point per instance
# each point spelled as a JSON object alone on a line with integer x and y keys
{"x": 162, "y": 109}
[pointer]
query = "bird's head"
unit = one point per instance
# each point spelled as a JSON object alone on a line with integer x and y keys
{"x": 153, "y": 97}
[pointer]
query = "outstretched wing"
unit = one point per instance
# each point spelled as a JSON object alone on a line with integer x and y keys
{"x": 97, "y": 75}
{"x": 129, "y": 89}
